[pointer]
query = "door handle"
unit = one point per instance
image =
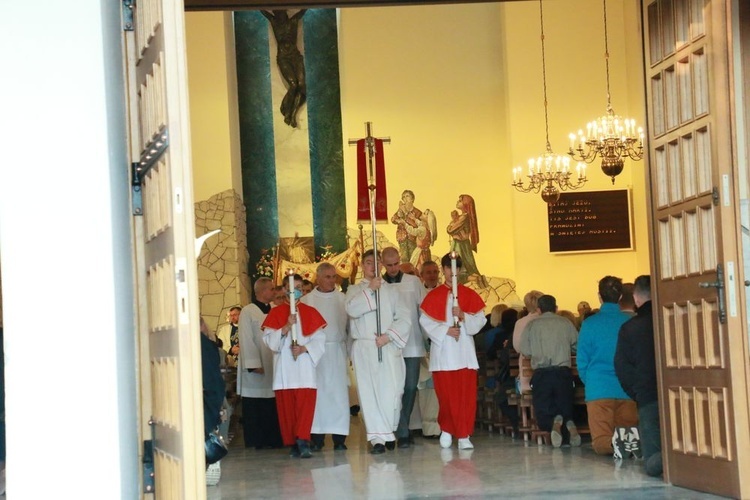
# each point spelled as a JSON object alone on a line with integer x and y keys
{"x": 719, "y": 285}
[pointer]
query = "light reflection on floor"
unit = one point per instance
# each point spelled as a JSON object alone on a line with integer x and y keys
{"x": 498, "y": 467}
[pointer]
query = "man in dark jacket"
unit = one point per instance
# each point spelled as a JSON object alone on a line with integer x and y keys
{"x": 635, "y": 366}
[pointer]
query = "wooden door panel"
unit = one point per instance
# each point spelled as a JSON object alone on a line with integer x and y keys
{"x": 165, "y": 250}
{"x": 695, "y": 230}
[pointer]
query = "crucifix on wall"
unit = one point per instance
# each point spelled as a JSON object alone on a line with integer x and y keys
{"x": 290, "y": 61}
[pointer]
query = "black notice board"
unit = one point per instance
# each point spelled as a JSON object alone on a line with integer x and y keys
{"x": 590, "y": 220}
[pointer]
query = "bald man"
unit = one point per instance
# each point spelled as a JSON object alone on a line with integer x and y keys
{"x": 412, "y": 292}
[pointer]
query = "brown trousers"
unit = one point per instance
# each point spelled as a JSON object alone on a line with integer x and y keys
{"x": 604, "y": 416}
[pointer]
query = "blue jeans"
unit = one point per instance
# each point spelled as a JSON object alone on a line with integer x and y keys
{"x": 410, "y": 394}
{"x": 648, "y": 425}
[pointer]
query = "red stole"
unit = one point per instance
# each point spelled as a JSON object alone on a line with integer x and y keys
{"x": 363, "y": 181}
{"x": 434, "y": 303}
{"x": 310, "y": 318}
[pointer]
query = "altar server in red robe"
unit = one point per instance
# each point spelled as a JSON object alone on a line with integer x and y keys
{"x": 294, "y": 380}
{"x": 453, "y": 358}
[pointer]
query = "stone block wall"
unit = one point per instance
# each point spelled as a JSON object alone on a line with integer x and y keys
{"x": 223, "y": 280}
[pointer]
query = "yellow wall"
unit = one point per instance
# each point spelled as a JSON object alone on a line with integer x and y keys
{"x": 214, "y": 123}
{"x": 576, "y": 95}
{"x": 434, "y": 84}
{"x": 458, "y": 89}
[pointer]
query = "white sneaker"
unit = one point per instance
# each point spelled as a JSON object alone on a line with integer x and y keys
{"x": 465, "y": 444}
{"x": 446, "y": 440}
{"x": 575, "y": 437}
{"x": 618, "y": 443}
{"x": 556, "y": 433}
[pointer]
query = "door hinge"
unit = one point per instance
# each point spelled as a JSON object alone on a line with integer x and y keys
{"x": 127, "y": 15}
{"x": 135, "y": 184}
{"x": 715, "y": 196}
{"x": 149, "y": 477}
{"x": 153, "y": 152}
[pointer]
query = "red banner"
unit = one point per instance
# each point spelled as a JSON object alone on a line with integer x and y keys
{"x": 363, "y": 192}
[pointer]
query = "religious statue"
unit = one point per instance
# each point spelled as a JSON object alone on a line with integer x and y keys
{"x": 464, "y": 231}
{"x": 290, "y": 62}
{"x": 407, "y": 216}
{"x": 425, "y": 235}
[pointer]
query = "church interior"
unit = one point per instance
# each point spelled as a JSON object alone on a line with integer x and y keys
{"x": 459, "y": 91}
{"x": 463, "y": 94}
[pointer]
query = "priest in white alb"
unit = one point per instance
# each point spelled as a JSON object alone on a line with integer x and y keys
{"x": 332, "y": 405}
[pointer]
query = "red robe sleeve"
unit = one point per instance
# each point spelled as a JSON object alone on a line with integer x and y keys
{"x": 310, "y": 318}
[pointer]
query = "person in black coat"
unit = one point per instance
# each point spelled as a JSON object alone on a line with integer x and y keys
{"x": 635, "y": 366}
{"x": 213, "y": 382}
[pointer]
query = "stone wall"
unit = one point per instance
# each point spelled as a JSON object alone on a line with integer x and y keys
{"x": 223, "y": 280}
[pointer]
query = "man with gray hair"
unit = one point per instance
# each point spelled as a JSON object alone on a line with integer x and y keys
{"x": 548, "y": 341}
{"x": 260, "y": 421}
{"x": 332, "y": 404}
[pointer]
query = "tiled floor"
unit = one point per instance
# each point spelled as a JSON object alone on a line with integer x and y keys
{"x": 498, "y": 467}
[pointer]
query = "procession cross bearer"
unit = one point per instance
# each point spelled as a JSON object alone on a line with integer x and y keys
{"x": 374, "y": 205}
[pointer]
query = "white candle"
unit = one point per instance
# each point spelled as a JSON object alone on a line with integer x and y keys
{"x": 292, "y": 304}
{"x": 454, "y": 283}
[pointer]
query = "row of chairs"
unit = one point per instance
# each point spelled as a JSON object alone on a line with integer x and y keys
{"x": 491, "y": 418}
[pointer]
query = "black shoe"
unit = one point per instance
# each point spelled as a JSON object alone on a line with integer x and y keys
{"x": 354, "y": 410}
{"x": 377, "y": 449}
{"x": 404, "y": 442}
{"x": 315, "y": 446}
{"x": 390, "y": 445}
{"x": 304, "y": 448}
{"x": 294, "y": 451}
{"x": 339, "y": 447}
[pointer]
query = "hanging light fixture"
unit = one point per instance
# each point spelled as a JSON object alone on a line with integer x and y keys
{"x": 612, "y": 137}
{"x": 549, "y": 173}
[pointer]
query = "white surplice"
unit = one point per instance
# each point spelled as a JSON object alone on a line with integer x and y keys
{"x": 290, "y": 373}
{"x": 446, "y": 354}
{"x": 380, "y": 384}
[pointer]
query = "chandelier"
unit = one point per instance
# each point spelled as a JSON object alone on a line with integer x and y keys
{"x": 611, "y": 137}
{"x": 549, "y": 173}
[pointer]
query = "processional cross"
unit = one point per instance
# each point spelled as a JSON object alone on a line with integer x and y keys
{"x": 371, "y": 145}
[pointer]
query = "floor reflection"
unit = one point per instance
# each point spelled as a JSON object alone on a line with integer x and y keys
{"x": 498, "y": 467}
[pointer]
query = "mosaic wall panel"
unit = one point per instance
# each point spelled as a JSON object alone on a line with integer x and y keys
{"x": 223, "y": 280}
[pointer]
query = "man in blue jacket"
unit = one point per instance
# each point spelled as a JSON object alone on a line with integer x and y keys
{"x": 607, "y": 403}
